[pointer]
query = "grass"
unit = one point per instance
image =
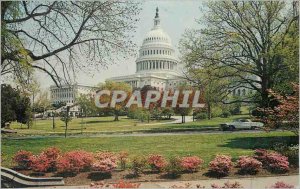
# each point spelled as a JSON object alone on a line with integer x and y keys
{"x": 205, "y": 146}
{"x": 107, "y": 125}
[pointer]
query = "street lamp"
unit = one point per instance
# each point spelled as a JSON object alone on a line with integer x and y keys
{"x": 66, "y": 120}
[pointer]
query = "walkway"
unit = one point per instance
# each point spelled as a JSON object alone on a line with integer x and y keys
{"x": 251, "y": 183}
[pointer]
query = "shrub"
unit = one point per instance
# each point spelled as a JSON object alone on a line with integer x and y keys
{"x": 23, "y": 159}
{"x": 191, "y": 163}
{"x": 221, "y": 165}
{"x": 40, "y": 163}
{"x": 105, "y": 162}
{"x": 226, "y": 114}
{"x": 277, "y": 163}
{"x": 201, "y": 115}
{"x": 248, "y": 165}
{"x": 74, "y": 161}
{"x": 280, "y": 184}
{"x": 52, "y": 155}
{"x": 124, "y": 184}
{"x": 157, "y": 162}
{"x": 138, "y": 165}
{"x": 173, "y": 169}
{"x": 292, "y": 152}
{"x": 228, "y": 185}
{"x": 122, "y": 157}
{"x": 272, "y": 161}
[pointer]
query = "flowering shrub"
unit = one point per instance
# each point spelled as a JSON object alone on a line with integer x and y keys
{"x": 52, "y": 155}
{"x": 23, "y": 159}
{"x": 261, "y": 155}
{"x": 174, "y": 168}
{"x": 124, "y": 184}
{"x": 248, "y": 165}
{"x": 228, "y": 185}
{"x": 105, "y": 162}
{"x": 138, "y": 165}
{"x": 122, "y": 157}
{"x": 277, "y": 162}
{"x": 40, "y": 163}
{"x": 74, "y": 161}
{"x": 157, "y": 162}
{"x": 273, "y": 161}
{"x": 191, "y": 163}
{"x": 221, "y": 165}
{"x": 280, "y": 184}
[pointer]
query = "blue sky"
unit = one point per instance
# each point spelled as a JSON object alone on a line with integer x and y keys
{"x": 175, "y": 15}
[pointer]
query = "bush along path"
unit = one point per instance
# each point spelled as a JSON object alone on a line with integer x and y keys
{"x": 80, "y": 167}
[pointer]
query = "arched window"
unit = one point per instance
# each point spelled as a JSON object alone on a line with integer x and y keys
{"x": 244, "y": 92}
{"x": 239, "y": 92}
{"x": 159, "y": 51}
{"x": 150, "y": 51}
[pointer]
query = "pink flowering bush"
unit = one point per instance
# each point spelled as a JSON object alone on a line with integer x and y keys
{"x": 277, "y": 163}
{"x": 273, "y": 161}
{"x": 105, "y": 162}
{"x": 280, "y": 184}
{"x": 191, "y": 163}
{"x": 228, "y": 185}
{"x": 23, "y": 159}
{"x": 74, "y": 161}
{"x": 157, "y": 162}
{"x": 52, "y": 155}
{"x": 248, "y": 165}
{"x": 221, "y": 165}
{"x": 40, "y": 163}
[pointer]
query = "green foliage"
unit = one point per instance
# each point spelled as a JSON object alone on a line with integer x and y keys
{"x": 14, "y": 106}
{"x": 138, "y": 165}
{"x": 201, "y": 116}
{"x": 174, "y": 167}
{"x": 226, "y": 114}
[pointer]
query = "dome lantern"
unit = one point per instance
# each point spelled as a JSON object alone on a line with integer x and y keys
{"x": 156, "y": 19}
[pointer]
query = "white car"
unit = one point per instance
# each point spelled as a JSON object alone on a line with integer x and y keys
{"x": 241, "y": 124}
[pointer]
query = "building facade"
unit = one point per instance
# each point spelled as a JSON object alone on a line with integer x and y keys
{"x": 156, "y": 64}
{"x": 69, "y": 93}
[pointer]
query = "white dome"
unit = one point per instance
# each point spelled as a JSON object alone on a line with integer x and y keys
{"x": 156, "y": 54}
{"x": 157, "y": 35}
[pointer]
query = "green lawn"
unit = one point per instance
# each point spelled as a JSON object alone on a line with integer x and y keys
{"x": 205, "y": 146}
{"x": 107, "y": 125}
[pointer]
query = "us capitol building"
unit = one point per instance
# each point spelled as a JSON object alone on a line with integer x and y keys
{"x": 156, "y": 64}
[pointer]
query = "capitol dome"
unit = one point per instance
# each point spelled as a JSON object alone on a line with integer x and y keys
{"x": 156, "y": 53}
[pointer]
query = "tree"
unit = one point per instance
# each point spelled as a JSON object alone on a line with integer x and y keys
{"x": 115, "y": 86}
{"x": 42, "y": 102}
{"x": 245, "y": 37}
{"x": 285, "y": 114}
{"x": 14, "y": 106}
{"x": 37, "y": 34}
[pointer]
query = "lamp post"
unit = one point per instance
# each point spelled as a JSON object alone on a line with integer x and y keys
{"x": 66, "y": 120}
{"x": 53, "y": 123}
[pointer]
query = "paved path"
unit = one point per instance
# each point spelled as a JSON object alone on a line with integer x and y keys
{"x": 251, "y": 183}
{"x": 135, "y": 134}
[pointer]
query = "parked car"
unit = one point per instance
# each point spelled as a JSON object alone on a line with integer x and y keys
{"x": 241, "y": 124}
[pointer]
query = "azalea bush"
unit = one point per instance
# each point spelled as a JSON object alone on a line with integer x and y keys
{"x": 272, "y": 161}
{"x": 138, "y": 165}
{"x": 280, "y": 184}
{"x": 157, "y": 162}
{"x": 277, "y": 163}
{"x": 123, "y": 158}
{"x": 125, "y": 184}
{"x": 104, "y": 162}
{"x": 228, "y": 185}
{"x": 221, "y": 165}
{"x": 52, "y": 154}
{"x": 248, "y": 165}
{"x": 23, "y": 159}
{"x": 40, "y": 163}
{"x": 74, "y": 161}
{"x": 191, "y": 163}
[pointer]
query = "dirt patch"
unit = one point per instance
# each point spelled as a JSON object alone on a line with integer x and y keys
{"x": 85, "y": 178}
